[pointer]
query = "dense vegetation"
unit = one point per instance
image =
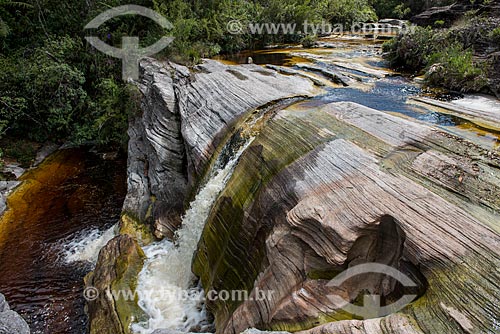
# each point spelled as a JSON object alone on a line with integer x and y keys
{"x": 404, "y": 9}
{"x": 54, "y": 86}
{"x": 463, "y": 57}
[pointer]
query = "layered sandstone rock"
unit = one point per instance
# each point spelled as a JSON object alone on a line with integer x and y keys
{"x": 321, "y": 190}
{"x": 107, "y": 287}
{"x": 185, "y": 116}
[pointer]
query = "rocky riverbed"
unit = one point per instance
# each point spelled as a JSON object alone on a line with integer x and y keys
{"x": 284, "y": 175}
{"x": 362, "y": 168}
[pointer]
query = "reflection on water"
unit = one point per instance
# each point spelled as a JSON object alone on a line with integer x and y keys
{"x": 72, "y": 191}
{"x": 383, "y": 90}
{"x": 388, "y": 94}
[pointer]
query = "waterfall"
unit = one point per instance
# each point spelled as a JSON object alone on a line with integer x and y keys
{"x": 166, "y": 275}
{"x": 85, "y": 247}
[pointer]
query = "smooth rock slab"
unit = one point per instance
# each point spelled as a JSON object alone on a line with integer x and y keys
{"x": 5, "y": 188}
{"x": 322, "y": 190}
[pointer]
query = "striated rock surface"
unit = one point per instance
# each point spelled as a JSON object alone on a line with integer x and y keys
{"x": 321, "y": 190}
{"x": 185, "y": 116}
{"x": 10, "y": 321}
{"x": 448, "y": 14}
{"x": 115, "y": 275}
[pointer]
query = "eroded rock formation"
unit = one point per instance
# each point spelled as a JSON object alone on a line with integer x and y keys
{"x": 115, "y": 276}
{"x": 185, "y": 116}
{"x": 321, "y": 190}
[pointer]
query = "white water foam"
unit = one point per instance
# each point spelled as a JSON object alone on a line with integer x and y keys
{"x": 167, "y": 272}
{"x": 87, "y": 245}
{"x": 479, "y": 102}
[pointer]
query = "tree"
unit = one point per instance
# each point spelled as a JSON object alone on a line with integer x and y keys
{"x": 4, "y": 27}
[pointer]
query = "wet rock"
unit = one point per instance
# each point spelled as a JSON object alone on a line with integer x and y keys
{"x": 393, "y": 22}
{"x": 5, "y": 188}
{"x": 46, "y": 150}
{"x": 322, "y": 190}
{"x": 256, "y": 331}
{"x": 484, "y": 113}
{"x": 169, "y": 331}
{"x": 394, "y": 324}
{"x": 4, "y": 306}
{"x": 336, "y": 77}
{"x": 16, "y": 170}
{"x": 185, "y": 115}
{"x": 10, "y": 321}
{"x": 140, "y": 232}
{"x": 115, "y": 275}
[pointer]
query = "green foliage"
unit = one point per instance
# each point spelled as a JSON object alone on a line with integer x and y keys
{"x": 454, "y": 67}
{"x": 447, "y": 55}
{"x": 404, "y": 9}
{"x": 110, "y": 111}
{"x": 200, "y": 26}
{"x": 54, "y": 86}
{"x": 43, "y": 90}
{"x": 4, "y": 5}
{"x": 410, "y": 50}
{"x": 495, "y": 35}
{"x": 439, "y": 23}
{"x": 308, "y": 41}
{"x": 349, "y": 11}
{"x": 21, "y": 150}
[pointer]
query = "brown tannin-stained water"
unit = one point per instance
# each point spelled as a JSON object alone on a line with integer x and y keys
{"x": 74, "y": 194}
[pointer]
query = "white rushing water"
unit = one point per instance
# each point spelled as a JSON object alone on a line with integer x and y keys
{"x": 87, "y": 245}
{"x": 167, "y": 277}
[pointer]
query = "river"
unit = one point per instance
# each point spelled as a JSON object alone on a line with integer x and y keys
{"x": 67, "y": 207}
{"x": 51, "y": 234}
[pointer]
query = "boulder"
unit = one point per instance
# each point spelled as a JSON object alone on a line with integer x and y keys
{"x": 109, "y": 309}
{"x": 447, "y": 14}
{"x": 323, "y": 190}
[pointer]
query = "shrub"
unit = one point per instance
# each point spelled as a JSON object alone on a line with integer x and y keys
{"x": 495, "y": 35}
{"x": 454, "y": 67}
{"x": 439, "y": 24}
{"x": 308, "y": 41}
{"x": 24, "y": 151}
{"x": 410, "y": 50}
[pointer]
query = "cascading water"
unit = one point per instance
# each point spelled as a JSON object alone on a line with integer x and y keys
{"x": 166, "y": 279}
{"x": 85, "y": 247}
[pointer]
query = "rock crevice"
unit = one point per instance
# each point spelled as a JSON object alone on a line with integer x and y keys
{"x": 186, "y": 114}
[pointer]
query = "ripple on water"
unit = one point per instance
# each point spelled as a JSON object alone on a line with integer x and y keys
{"x": 69, "y": 198}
